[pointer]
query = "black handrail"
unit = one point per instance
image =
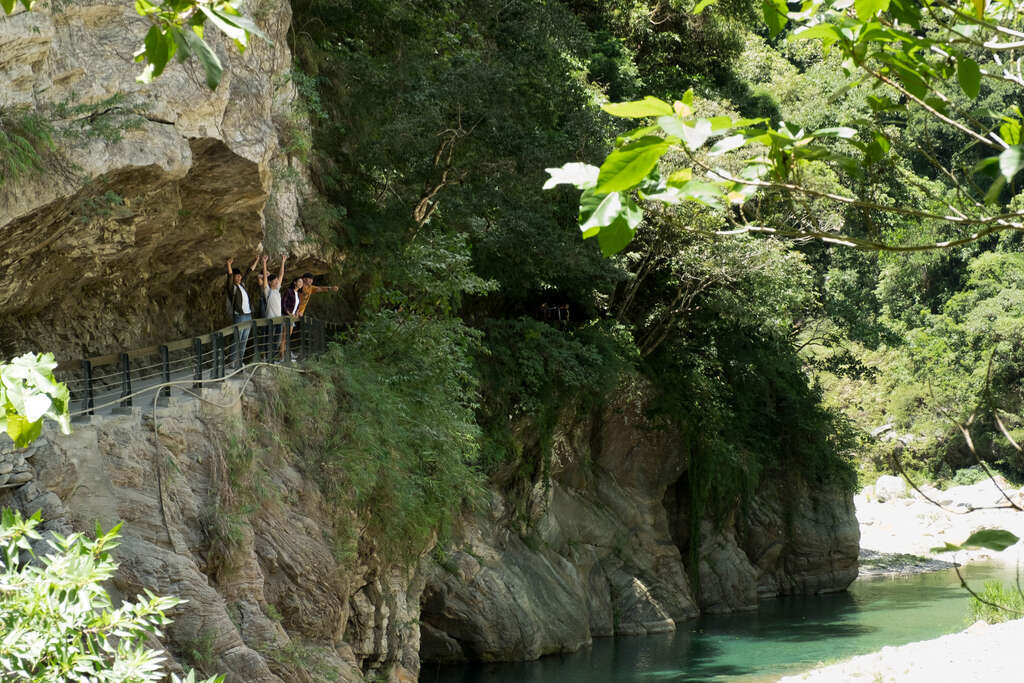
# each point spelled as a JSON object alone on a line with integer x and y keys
{"x": 312, "y": 340}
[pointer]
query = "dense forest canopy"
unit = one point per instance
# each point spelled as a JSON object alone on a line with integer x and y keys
{"x": 432, "y": 129}
{"x": 888, "y": 125}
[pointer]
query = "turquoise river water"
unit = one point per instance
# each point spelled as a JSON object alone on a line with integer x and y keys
{"x": 784, "y": 636}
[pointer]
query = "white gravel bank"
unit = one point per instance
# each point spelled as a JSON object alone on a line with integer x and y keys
{"x": 981, "y": 653}
{"x": 894, "y": 519}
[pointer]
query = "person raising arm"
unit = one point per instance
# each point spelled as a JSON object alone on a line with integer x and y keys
{"x": 308, "y": 290}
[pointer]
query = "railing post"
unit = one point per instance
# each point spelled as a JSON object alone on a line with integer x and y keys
{"x": 321, "y": 336}
{"x": 258, "y": 332}
{"x": 287, "y": 332}
{"x": 165, "y": 367}
{"x": 197, "y": 349}
{"x": 223, "y": 355}
{"x": 304, "y": 338}
{"x": 126, "y": 381}
{"x": 87, "y": 377}
{"x": 218, "y": 354}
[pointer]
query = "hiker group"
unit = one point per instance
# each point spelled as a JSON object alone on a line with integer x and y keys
{"x": 270, "y": 302}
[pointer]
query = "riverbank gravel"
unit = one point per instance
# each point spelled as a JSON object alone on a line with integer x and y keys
{"x": 903, "y": 523}
{"x": 980, "y": 653}
{"x": 899, "y": 527}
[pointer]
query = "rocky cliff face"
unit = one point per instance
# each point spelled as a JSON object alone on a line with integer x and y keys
{"x": 606, "y": 555}
{"x": 119, "y": 239}
{"x": 272, "y": 596}
{"x": 268, "y": 597}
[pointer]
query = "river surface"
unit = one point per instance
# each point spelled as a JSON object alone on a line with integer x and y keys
{"x": 784, "y": 636}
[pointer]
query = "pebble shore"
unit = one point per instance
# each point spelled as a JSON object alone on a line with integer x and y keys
{"x": 898, "y": 529}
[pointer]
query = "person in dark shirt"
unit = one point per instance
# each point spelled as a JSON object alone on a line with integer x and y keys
{"x": 290, "y": 306}
{"x": 241, "y": 310}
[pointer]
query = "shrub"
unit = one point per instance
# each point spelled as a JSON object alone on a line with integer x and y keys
{"x": 58, "y": 621}
{"x": 1008, "y": 598}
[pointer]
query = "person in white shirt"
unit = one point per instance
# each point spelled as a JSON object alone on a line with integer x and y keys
{"x": 272, "y": 294}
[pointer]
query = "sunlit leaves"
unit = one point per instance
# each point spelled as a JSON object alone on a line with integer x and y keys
{"x": 867, "y": 9}
{"x": 774, "y": 12}
{"x": 8, "y": 5}
{"x": 627, "y": 166}
{"x": 178, "y": 31}
{"x": 57, "y": 621}
{"x": 580, "y": 176}
{"x": 28, "y": 395}
{"x": 649, "y": 106}
{"x": 1011, "y": 160}
{"x": 990, "y": 539}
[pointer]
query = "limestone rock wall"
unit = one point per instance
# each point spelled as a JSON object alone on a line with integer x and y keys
{"x": 120, "y": 240}
{"x": 603, "y": 550}
{"x": 268, "y": 600}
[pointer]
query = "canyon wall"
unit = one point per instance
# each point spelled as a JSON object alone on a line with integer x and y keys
{"x": 119, "y": 239}
{"x": 273, "y": 594}
{"x": 606, "y": 549}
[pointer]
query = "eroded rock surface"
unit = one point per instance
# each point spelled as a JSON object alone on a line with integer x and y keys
{"x": 605, "y": 550}
{"x": 119, "y": 241}
{"x": 267, "y": 598}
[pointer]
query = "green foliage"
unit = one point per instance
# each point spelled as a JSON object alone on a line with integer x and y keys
{"x": 28, "y": 395}
{"x": 25, "y": 139}
{"x": 1006, "y": 597}
{"x": 57, "y": 619}
{"x": 991, "y": 539}
{"x": 105, "y": 120}
{"x": 384, "y": 424}
{"x": 177, "y": 31}
{"x": 532, "y": 373}
{"x": 968, "y": 476}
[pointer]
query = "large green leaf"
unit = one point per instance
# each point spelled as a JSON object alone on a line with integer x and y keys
{"x": 694, "y": 135}
{"x": 969, "y": 74}
{"x": 992, "y": 539}
{"x": 1011, "y": 161}
{"x": 207, "y": 57}
{"x": 597, "y": 211}
{"x": 235, "y": 33}
{"x": 22, "y": 431}
{"x": 703, "y": 192}
{"x": 243, "y": 22}
{"x": 612, "y": 219}
{"x": 727, "y": 145}
{"x": 159, "y": 50}
{"x": 8, "y": 5}
{"x": 774, "y": 12}
{"x": 613, "y": 238}
{"x": 648, "y": 106}
{"x": 866, "y": 9}
{"x": 627, "y": 166}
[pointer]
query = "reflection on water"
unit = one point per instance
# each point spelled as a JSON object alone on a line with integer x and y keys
{"x": 783, "y": 636}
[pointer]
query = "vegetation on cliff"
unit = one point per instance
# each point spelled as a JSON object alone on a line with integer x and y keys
{"x": 432, "y": 129}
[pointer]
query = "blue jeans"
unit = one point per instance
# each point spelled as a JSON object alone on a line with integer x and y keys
{"x": 241, "y": 338}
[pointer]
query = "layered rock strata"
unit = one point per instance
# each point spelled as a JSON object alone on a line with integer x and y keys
{"x": 605, "y": 554}
{"x": 118, "y": 241}
{"x": 268, "y": 598}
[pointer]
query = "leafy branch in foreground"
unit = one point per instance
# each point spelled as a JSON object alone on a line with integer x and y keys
{"x": 57, "y": 622}
{"x": 905, "y": 57}
{"x": 28, "y": 395}
{"x": 177, "y": 30}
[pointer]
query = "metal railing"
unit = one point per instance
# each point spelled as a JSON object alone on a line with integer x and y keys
{"x": 102, "y": 380}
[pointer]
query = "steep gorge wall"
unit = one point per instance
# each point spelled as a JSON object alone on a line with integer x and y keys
{"x": 274, "y": 594}
{"x": 269, "y": 597}
{"x": 606, "y": 551}
{"x": 120, "y": 240}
